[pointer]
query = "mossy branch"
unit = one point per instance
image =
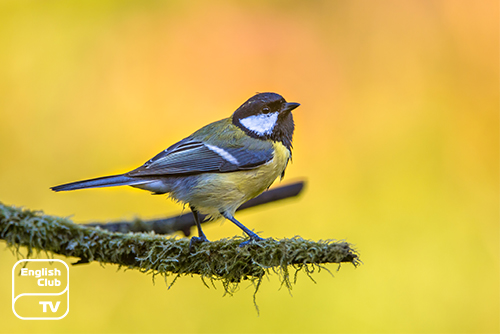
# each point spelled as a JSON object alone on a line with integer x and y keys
{"x": 218, "y": 260}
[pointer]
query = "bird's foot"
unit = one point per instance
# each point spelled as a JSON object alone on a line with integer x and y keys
{"x": 196, "y": 240}
{"x": 253, "y": 238}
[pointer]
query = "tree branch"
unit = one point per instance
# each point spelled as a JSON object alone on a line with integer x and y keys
{"x": 220, "y": 260}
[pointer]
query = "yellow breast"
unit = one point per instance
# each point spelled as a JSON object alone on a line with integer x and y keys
{"x": 225, "y": 192}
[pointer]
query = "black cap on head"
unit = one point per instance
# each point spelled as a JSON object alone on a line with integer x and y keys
{"x": 260, "y": 103}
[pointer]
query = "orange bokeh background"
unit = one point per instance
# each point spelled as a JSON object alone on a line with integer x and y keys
{"x": 397, "y": 137}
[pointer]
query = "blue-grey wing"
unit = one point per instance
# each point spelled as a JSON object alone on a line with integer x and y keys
{"x": 190, "y": 156}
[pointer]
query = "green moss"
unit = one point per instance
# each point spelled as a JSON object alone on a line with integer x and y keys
{"x": 221, "y": 260}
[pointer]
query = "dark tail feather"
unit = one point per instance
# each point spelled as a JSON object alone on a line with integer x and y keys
{"x": 118, "y": 180}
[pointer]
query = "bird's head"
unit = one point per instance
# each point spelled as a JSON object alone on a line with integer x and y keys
{"x": 267, "y": 116}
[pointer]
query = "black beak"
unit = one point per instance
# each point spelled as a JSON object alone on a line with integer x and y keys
{"x": 289, "y": 106}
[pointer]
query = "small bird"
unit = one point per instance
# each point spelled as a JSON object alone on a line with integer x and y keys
{"x": 220, "y": 166}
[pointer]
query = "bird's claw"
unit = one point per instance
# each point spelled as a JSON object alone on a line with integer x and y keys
{"x": 196, "y": 240}
{"x": 253, "y": 238}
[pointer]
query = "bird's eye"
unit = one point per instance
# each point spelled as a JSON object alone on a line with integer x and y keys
{"x": 265, "y": 110}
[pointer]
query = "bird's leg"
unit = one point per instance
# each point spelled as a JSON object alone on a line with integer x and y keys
{"x": 201, "y": 236}
{"x": 251, "y": 234}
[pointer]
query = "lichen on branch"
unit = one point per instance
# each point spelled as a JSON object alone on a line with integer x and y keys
{"x": 220, "y": 260}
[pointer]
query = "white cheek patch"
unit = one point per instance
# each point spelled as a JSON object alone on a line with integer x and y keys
{"x": 223, "y": 153}
{"x": 262, "y": 124}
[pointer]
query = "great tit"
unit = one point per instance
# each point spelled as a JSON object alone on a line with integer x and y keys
{"x": 220, "y": 166}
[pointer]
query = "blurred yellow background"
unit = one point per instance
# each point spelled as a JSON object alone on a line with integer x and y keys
{"x": 397, "y": 137}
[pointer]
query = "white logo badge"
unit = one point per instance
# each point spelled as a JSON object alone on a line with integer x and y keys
{"x": 40, "y": 289}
